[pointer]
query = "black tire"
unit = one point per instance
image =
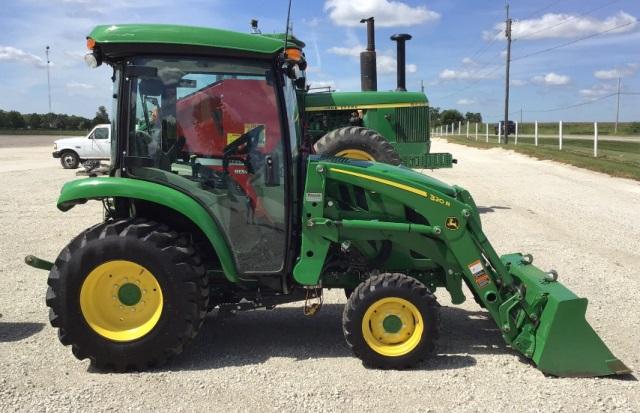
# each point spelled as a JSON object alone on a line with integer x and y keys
{"x": 69, "y": 160}
{"x": 358, "y": 138}
{"x": 391, "y": 286}
{"x": 168, "y": 256}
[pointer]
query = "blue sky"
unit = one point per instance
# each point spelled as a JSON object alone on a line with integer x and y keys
{"x": 457, "y": 50}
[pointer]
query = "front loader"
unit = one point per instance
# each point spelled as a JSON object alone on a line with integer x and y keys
{"x": 217, "y": 204}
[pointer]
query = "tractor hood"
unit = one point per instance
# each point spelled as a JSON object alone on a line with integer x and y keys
{"x": 363, "y": 100}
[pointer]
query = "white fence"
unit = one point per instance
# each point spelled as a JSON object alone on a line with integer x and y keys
{"x": 451, "y": 130}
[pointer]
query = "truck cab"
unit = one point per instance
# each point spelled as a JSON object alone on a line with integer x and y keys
{"x": 76, "y": 150}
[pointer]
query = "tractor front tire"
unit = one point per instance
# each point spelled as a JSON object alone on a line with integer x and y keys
{"x": 391, "y": 321}
{"x": 359, "y": 143}
{"x": 127, "y": 294}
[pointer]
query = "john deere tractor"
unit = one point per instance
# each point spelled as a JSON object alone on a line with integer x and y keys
{"x": 385, "y": 126}
{"x": 216, "y": 201}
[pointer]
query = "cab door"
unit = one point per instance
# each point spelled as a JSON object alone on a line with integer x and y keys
{"x": 100, "y": 142}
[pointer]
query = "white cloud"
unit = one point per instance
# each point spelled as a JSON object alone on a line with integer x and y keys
{"x": 465, "y": 101}
{"x": 626, "y": 71}
{"x": 388, "y": 13}
{"x": 385, "y": 63}
{"x": 80, "y": 86}
{"x": 450, "y": 74}
{"x": 12, "y": 54}
{"x": 551, "y": 79}
{"x": 560, "y": 25}
{"x": 599, "y": 89}
{"x": 312, "y": 22}
{"x": 347, "y": 51}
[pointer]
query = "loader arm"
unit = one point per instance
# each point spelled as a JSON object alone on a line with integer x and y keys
{"x": 536, "y": 315}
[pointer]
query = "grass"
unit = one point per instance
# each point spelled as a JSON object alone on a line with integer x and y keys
{"x": 581, "y": 128}
{"x": 43, "y": 132}
{"x": 621, "y": 159}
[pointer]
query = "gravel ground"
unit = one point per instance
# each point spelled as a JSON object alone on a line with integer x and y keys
{"x": 584, "y": 224}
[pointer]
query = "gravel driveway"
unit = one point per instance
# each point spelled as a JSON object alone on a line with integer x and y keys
{"x": 584, "y": 224}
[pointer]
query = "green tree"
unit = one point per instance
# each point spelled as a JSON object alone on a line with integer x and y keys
{"x": 35, "y": 121}
{"x": 434, "y": 116}
{"x": 450, "y": 116}
{"x": 15, "y": 120}
{"x": 3, "y": 119}
{"x": 473, "y": 117}
{"x": 101, "y": 116}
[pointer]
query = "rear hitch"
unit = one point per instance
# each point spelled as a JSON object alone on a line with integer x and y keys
{"x": 38, "y": 263}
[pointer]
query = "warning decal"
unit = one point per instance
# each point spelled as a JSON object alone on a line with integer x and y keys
{"x": 479, "y": 274}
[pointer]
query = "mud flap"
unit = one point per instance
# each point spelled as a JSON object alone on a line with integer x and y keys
{"x": 565, "y": 344}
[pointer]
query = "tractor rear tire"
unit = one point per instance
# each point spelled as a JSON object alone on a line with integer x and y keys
{"x": 359, "y": 143}
{"x": 391, "y": 321}
{"x": 127, "y": 294}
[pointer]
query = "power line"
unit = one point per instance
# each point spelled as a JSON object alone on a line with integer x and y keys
{"x": 571, "y": 42}
{"x": 547, "y": 7}
{"x": 589, "y": 102}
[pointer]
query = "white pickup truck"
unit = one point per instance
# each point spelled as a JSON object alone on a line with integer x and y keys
{"x": 95, "y": 146}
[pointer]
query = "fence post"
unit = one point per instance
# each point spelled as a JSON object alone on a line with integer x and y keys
{"x": 453, "y": 128}
{"x": 595, "y": 139}
{"x": 476, "y": 131}
{"x": 560, "y": 135}
{"x": 487, "y": 131}
{"x": 467, "y": 129}
{"x": 446, "y": 130}
{"x": 535, "y": 133}
{"x": 516, "y": 132}
{"x": 499, "y": 134}
{"x": 459, "y": 127}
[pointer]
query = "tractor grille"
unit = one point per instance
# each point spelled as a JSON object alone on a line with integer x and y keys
{"x": 412, "y": 124}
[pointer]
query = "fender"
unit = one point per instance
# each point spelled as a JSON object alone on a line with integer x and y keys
{"x": 79, "y": 191}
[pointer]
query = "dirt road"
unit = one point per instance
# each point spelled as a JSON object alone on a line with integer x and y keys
{"x": 584, "y": 224}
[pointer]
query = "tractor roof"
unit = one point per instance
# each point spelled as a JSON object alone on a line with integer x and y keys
{"x": 159, "y": 34}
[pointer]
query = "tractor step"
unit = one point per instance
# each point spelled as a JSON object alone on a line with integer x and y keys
{"x": 38, "y": 263}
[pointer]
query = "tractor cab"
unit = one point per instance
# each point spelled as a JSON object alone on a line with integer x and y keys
{"x": 217, "y": 125}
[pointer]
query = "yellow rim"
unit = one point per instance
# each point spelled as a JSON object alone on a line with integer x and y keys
{"x": 355, "y": 154}
{"x": 121, "y": 300}
{"x": 392, "y": 327}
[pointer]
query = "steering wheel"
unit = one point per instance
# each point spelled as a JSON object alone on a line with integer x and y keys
{"x": 250, "y": 141}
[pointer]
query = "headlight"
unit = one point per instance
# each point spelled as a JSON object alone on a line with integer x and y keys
{"x": 91, "y": 60}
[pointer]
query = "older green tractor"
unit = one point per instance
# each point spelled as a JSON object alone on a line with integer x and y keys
{"x": 214, "y": 202}
{"x": 385, "y": 126}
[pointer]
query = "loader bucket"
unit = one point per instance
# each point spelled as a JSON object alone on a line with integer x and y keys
{"x": 565, "y": 344}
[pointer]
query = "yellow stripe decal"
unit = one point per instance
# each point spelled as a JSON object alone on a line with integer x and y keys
{"x": 382, "y": 181}
{"x": 373, "y": 106}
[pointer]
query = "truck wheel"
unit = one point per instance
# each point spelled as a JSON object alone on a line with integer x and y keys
{"x": 69, "y": 160}
{"x": 127, "y": 294}
{"x": 391, "y": 321}
{"x": 357, "y": 143}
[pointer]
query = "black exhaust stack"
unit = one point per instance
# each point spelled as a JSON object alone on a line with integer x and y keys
{"x": 368, "y": 73}
{"x": 401, "y": 57}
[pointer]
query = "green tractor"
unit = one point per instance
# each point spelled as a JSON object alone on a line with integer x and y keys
{"x": 391, "y": 127}
{"x": 214, "y": 202}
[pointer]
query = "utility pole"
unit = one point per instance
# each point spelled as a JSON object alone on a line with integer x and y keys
{"x": 507, "y": 33}
{"x": 615, "y": 130}
{"x": 48, "y": 77}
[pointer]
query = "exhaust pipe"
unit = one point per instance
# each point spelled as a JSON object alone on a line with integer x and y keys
{"x": 368, "y": 72}
{"x": 401, "y": 57}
